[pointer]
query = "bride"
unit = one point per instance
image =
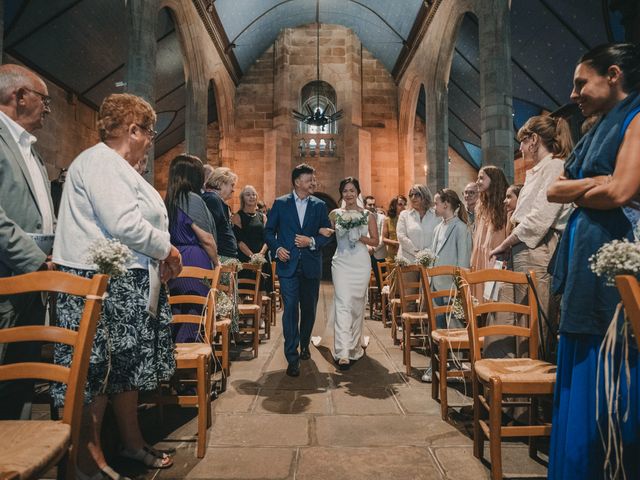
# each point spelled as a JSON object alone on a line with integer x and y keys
{"x": 355, "y": 228}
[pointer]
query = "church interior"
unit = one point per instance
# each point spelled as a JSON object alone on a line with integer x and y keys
{"x": 396, "y": 93}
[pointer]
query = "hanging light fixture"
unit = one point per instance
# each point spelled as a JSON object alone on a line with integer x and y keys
{"x": 317, "y": 116}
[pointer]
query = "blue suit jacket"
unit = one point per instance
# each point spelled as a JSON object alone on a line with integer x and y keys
{"x": 283, "y": 226}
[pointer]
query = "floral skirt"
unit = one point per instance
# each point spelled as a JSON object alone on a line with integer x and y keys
{"x": 131, "y": 349}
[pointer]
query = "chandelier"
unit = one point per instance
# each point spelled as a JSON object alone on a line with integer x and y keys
{"x": 317, "y": 116}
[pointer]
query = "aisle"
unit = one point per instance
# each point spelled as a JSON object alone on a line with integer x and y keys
{"x": 370, "y": 422}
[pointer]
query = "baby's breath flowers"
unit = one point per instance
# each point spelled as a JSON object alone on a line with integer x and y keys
{"x": 110, "y": 257}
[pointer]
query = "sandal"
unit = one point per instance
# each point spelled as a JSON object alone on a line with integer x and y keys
{"x": 148, "y": 457}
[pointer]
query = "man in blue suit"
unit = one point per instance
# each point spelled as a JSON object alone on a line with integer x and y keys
{"x": 292, "y": 233}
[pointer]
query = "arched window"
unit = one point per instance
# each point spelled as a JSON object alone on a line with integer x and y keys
{"x": 318, "y": 95}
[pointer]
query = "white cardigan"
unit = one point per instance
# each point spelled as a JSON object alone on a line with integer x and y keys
{"x": 104, "y": 197}
{"x": 415, "y": 234}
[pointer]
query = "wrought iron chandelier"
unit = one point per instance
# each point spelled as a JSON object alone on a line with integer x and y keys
{"x": 317, "y": 117}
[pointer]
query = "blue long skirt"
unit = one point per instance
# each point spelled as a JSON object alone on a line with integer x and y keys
{"x": 577, "y": 449}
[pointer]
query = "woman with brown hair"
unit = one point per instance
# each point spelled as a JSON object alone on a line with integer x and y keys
{"x": 546, "y": 142}
{"x": 389, "y": 233}
{"x": 491, "y": 219}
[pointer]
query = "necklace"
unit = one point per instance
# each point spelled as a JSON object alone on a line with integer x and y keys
{"x": 250, "y": 214}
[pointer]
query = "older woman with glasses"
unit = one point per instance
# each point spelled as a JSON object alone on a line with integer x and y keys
{"x": 133, "y": 349}
{"x": 416, "y": 225}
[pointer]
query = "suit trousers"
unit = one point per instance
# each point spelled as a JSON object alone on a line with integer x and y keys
{"x": 16, "y": 395}
{"x": 300, "y": 298}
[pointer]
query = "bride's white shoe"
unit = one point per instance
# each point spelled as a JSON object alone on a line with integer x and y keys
{"x": 316, "y": 341}
{"x": 365, "y": 342}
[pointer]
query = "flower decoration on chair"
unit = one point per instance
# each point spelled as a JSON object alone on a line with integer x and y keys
{"x": 257, "y": 259}
{"x": 618, "y": 257}
{"x": 426, "y": 257}
{"x": 110, "y": 257}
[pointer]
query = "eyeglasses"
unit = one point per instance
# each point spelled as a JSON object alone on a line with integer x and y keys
{"x": 414, "y": 194}
{"x": 150, "y": 131}
{"x": 46, "y": 99}
{"x": 145, "y": 171}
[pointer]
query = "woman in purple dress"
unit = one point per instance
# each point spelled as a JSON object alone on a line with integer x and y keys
{"x": 193, "y": 232}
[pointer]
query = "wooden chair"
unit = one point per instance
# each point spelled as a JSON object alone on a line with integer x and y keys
{"x": 410, "y": 285}
{"x": 250, "y": 305}
{"x": 384, "y": 268}
{"x": 222, "y": 336}
{"x": 629, "y": 289}
{"x": 29, "y": 448}
{"x": 277, "y": 296}
{"x": 267, "y": 313}
{"x": 197, "y": 356}
{"x": 372, "y": 294}
{"x": 495, "y": 379}
{"x": 443, "y": 340}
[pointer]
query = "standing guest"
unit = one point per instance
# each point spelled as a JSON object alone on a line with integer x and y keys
{"x": 470, "y": 195}
{"x": 416, "y": 225}
{"x": 248, "y": 226}
{"x": 218, "y": 188}
{"x": 376, "y": 252}
{"x": 389, "y": 236}
{"x": 25, "y": 207}
{"x": 545, "y": 142}
{"x": 510, "y": 203}
{"x": 293, "y": 235}
{"x": 600, "y": 177}
{"x": 490, "y": 226}
{"x": 133, "y": 349}
{"x": 193, "y": 232}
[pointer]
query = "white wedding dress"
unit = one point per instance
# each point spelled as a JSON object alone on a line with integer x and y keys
{"x": 350, "y": 269}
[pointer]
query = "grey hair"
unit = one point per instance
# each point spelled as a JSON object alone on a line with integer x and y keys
{"x": 425, "y": 193}
{"x": 208, "y": 173}
{"x": 221, "y": 175}
{"x": 13, "y": 77}
{"x": 244, "y": 190}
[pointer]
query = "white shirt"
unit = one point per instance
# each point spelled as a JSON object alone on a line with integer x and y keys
{"x": 534, "y": 215}
{"x": 380, "y": 251}
{"x": 104, "y": 197}
{"x": 414, "y": 233}
{"x": 25, "y": 141}
{"x": 440, "y": 234}
{"x": 301, "y": 206}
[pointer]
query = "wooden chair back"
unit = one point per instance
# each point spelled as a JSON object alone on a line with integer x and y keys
{"x": 384, "y": 269}
{"x": 430, "y": 295}
{"x": 249, "y": 286}
{"x": 208, "y": 303}
{"x": 226, "y": 279}
{"x": 472, "y": 312}
{"x": 409, "y": 284}
{"x": 74, "y": 376}
{"x": 629, "y": 289}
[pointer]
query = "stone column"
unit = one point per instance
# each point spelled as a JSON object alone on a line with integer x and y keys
{"x": 142, "y": 17}
{"x": 437, "y": 125}
{"x": 1, "y": 30}
{"x": 196, "y": 118}
{"x": 496, "y": 85}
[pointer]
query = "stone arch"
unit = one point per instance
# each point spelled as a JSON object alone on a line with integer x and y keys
{"x": 406, "y": 124}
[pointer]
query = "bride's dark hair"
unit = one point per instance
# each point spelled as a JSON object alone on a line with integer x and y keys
{"x": 345, "y": 181}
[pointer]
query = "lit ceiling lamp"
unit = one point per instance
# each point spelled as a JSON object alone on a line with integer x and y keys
{"x": 317, "y": 117}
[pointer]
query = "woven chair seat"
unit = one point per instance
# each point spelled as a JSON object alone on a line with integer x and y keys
{"x": 248, "y": 308}
{"x": 453, "y": 336}
{"x": 28, "y": 446}
{"x": 415, "y": 315}
{"x": 524, "y": 371}
{"x": 191, "y": 351}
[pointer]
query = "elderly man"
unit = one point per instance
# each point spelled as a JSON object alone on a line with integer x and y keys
{"x": 25, "y": 207}
{"x": 470, "y": 199}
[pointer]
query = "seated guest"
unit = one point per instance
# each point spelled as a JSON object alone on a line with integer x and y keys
{"x": 193, "y": 231}
{"x": 248, "y": 226}
{"x": 389, "y": 236}
{"x": 133, "y": 349}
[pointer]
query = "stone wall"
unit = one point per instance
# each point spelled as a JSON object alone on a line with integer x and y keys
{"x": 460, "y": 172}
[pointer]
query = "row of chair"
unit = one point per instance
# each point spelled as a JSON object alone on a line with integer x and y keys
{"x": 496, "y": 382}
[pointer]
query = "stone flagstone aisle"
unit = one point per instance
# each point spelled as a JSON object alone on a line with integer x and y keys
{"x": 371, "y": 422}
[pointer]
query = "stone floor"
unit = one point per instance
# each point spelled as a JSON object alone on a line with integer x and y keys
{"x": 371, "y": 422}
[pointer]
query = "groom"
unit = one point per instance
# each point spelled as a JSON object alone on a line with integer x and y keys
{"x": 293, "y": 238}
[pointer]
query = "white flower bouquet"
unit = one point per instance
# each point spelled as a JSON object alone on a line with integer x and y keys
{"x": 110, "y": 257}
{"x": 257, "y": 259}
{"x": 348, "y": 222}
{"x": 426, "y": 257}
{"x": 618, "y": 257}
{"x": 224, "y": 305}
{"x": 400, "y": 261}
{"x": 233, "y": 262}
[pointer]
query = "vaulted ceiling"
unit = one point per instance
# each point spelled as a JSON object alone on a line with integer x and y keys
{"x": 81, "y": 45}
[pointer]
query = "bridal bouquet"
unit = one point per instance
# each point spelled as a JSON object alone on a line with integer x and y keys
{"x": 618, "y": 257}
{"x": 350, "y": 222}
{"x": 426, "y": 257}
{"x": 110, "y": 257}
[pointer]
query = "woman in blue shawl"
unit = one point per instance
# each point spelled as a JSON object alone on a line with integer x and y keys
{"x": 602, "y": 175}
